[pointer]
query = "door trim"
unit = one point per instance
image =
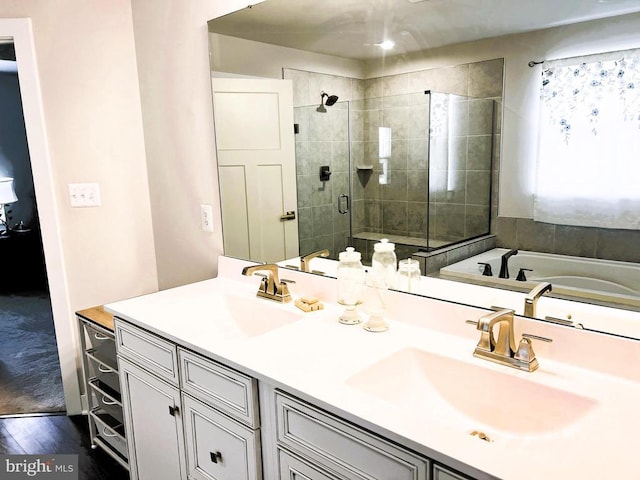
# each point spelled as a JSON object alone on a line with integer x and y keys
{"x": 63, "y": 318}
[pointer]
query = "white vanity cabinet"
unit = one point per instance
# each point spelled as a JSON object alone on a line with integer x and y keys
{"x": 190, "y": 417}
{"x": 221, "y": 420}
{"x": 333, "y": 445}
{"x": 152, "y": 404}
{"x": 187, "y": 416}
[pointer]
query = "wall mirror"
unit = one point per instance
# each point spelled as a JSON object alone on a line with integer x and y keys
{"x": 407, "y": 142}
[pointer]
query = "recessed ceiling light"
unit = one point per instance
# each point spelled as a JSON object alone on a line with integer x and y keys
{"x": 386, "y": 45}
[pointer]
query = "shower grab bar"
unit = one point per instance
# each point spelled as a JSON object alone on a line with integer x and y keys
{"x": 343, "y": 196}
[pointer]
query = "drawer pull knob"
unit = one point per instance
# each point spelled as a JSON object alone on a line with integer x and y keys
{"x": 216, "y": 457}
{"x": 173, "y": 411}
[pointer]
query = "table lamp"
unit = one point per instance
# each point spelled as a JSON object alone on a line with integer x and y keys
{"x": 7, "y": 196}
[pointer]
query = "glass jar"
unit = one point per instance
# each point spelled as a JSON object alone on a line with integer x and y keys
{"x": 351, "y": 276}
{"x": 384, "y": 262}
{"x": 408, "y": 275}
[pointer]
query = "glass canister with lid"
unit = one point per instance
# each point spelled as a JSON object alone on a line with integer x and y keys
{"x": 351, "y": 275}
{"x": 384, "y": 262}
{"x": 408, "y": 275}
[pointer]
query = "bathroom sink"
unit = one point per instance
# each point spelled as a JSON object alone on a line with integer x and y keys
{"x": 469, "y": 396}
{"x": 255, "y": 316}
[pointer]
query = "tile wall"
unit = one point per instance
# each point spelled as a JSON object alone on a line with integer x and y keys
{"x": 398, "y": 207}
{"x": 607, "y": 244}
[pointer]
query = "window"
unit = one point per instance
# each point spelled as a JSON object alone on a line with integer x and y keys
{"x": 588, "y": 170}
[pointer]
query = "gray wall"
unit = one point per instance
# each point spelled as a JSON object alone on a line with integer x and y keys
{"x": 14, "y": 151}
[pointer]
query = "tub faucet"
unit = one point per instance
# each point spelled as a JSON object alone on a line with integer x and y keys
{"x": 304, "y": 261}
{"x": 271, "y": 287}
{"x": 504, "y": 263}
{"x": 531, "y": 300}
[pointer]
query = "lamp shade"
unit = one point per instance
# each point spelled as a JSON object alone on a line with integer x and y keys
{"x": 7, "y": 193}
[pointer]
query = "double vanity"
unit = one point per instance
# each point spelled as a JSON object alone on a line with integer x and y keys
{"x": 218, "y": 383}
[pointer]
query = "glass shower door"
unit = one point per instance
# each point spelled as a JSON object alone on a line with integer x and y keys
{"x": 323, "y": 178}
{"x": 460, "y": 163}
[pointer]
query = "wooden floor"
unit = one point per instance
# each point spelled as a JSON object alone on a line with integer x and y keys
{"x": 59, "y": 434}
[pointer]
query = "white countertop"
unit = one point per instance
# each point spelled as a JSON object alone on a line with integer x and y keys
{"x": 320, "y": 359}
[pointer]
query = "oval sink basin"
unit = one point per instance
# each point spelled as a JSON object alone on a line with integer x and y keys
{"x": 255, "y": 316}
{"x": 469, "y": 396}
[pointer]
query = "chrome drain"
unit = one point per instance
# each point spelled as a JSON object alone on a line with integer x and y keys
{"x": 481, "y": 436}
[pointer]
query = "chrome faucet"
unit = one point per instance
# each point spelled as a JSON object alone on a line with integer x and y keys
{"x": 304, "y": 261}
{"x": 504, "y": 350}
{"x": 504, "y": 263}
{"x": 271, "y": 287}
{"x": 531, "y": 300}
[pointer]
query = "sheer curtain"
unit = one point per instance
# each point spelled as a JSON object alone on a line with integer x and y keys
{"x": 588, "y": 170}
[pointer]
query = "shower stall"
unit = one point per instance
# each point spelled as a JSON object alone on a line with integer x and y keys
{"x": 414, "y": 168}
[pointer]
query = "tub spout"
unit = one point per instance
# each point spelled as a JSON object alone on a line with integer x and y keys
{"x": 504, "y": 263}
{"x": 531, "y": 300}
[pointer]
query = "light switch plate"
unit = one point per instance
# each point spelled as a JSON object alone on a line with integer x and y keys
{"x": 84, "y": 195}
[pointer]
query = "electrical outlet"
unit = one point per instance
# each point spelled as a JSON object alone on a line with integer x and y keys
{"x": 84, "y": 195}
{"x": 206, "y": 218}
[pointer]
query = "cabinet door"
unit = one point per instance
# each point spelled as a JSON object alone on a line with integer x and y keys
{"x": 153, "y": 425}
{"x": 219, "y": 448}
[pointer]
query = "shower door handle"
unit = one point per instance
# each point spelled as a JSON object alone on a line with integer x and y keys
{"x": 343, "y": 199}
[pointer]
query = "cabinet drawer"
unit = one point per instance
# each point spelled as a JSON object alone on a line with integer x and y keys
{"x": 98, "y": 335}
{"x": 107, "y": 399}
{"x": 442, "y": 473}
{"x": 102, "y": 372}
{"x": 225, "y": 389}
{"x": 293, "y": 468}
{"x": 110, "y": 431}
{"x": 148, "y": 351}
{"x": 219, "y": 448}
{"x": 341, "y": 447}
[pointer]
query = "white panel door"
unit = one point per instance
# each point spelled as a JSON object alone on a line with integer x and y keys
{"x": 256, "y": 163}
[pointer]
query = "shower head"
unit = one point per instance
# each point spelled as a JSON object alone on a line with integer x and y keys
{"x": 330, "y": 100}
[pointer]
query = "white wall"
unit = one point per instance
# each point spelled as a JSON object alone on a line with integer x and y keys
{"x": 172, "y": 51}
{"x": 521, "y": 88}
{"x": 87, "y": 128}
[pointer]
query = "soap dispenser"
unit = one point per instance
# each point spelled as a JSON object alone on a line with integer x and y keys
{"x": 384, "y": 262}
{"x": 351, "y": 276}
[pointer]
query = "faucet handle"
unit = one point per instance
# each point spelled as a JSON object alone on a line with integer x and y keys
{"x": 525, "y": 353}
{"x": 536, "y": 337}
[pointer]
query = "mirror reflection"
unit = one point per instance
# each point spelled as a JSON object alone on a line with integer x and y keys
{"x": 377, "y": 161}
